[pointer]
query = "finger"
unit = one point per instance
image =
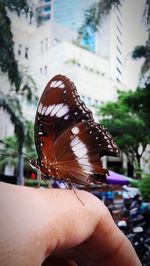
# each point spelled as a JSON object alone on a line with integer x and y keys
{"x": 52, "y": 221}
{"x": 36, "y": 222}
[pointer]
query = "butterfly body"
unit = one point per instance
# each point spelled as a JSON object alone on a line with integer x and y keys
{"x": 69, "y": 143}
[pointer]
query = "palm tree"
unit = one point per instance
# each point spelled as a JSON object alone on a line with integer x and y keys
{"x": 8, "y": 63}
{"x": 9, "y": 150}
{"x": 21, "y": 84}
{"x": 8, "y": 155}
{"x": 12, "y": 106}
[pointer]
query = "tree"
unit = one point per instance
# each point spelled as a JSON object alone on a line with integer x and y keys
{"x": 144, "y": 187}
{"x": 127, "y": 127}
{"x": 8, "y": 63}
{"x": 9, "y": 151}
{"x": 21, "y": 84}
{"x": 8, "y": 154}
{"x": 139, "y": 102}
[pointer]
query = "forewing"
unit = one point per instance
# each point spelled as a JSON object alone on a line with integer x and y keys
{"x": 59, "y": 107}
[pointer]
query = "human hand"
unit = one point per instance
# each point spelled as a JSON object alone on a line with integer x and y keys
{"x": 51, "y": 227}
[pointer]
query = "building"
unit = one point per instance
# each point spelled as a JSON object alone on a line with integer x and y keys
{"x": 46, "y": 49}
{"x": 116, "y": 38}
{"x": 118, "y": 34}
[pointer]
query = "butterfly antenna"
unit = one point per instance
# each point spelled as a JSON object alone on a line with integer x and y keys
{"x": 1, "y": 141}
{"x": 71, "y": 185}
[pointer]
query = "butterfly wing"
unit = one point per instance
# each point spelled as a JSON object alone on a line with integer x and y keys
{"x": 69, "y": 143}
{"x": 59, "y": 107}
{"x": 78, "y": 151}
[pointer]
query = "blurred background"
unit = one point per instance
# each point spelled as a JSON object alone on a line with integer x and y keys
{"x": 103, "y": 46}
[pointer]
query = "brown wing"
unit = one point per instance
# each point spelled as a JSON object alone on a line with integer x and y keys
{"x": 59, "y": 107}
{"x": 77, "y": 153}
{"x": 69, "y": 143}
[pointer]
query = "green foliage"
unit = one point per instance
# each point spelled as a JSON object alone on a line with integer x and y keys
{"x": 147, "y": 13}
{"x": 8, "y": 63}
{"x": 29, "y": 140}
{"x": 139, "y": 102}
{"x": 127, "y": 126}
{"x": 143, "y": 51}
{"x": 12, "y": 106}
{"x": 9, "y": 150}
{"x": 22, "y": 86}
{"x": 139, "y": 52}
{"x": 144, "y": 187}
{"x": 8, "y": 155}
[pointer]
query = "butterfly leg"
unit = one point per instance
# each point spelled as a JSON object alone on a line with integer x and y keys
{"x": 72, "y": 187}
{"x": 41, "y": 177}
{"x": 45, "y": 181}
{"x": 38, "y": 177}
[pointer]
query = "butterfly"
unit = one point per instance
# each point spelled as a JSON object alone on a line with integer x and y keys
{"x": 69, "y": 142}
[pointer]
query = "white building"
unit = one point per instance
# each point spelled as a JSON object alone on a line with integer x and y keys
{"x": 116, "y": 38}
{"x": 48, "y": 50}
{"x": 44, "y": 53}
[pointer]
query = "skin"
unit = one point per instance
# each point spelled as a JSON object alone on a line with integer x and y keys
{"x": 52, "y": 227}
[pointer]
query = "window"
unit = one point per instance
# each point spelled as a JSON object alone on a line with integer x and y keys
{"x": 119, "y": 30}
{"x": 42, "y": 46}
{"x": 46, "y": 43}
{"x": 26, "y": 52}
{"x": 119, "y": 20}
{"x": 19, "y": 49}
{"x": 119, "y": 60}
{"x": 47, "y": 8}
{"x": 119, "y": 40}
{"x": 118, "y": 80}
{"x": 45, "y": 70}
{"x": 119, "y": 70}
{"x": 119, "y": 11}
{"x": 118, "y": 50}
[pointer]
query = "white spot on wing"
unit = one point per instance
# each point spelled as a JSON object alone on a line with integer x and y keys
{"x": 79, "y": 149}
{"x": 62, "y": 86}
{"x": 43, "y": 109}
{"x": 57, "y": 83}
{"x": 75, "y": 141}
{"x": 81, "y": 152}
{"x": 85, "y": 164}
{"x": 66, "y": 117}
{"x": 40, "y": 108}
{"x": 49, "y": 109}
{"x": 53, "y": 83}
{"x": 56, "y": 108}
{"x": 64, "y": 110}
{"x": 75, "y": 130}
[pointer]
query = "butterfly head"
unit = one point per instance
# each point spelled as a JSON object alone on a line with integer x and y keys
{"x": 33, "y": 163}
